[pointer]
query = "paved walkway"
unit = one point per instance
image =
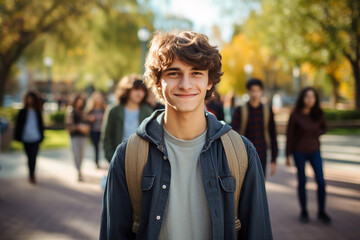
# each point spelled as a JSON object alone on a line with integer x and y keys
{"x": 59, "y": 207}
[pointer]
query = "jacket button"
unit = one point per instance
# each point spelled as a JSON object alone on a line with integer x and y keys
{"x": 164, "y": 186}
{"x": 164, "y": 157}
{"x": 158, "y": 217}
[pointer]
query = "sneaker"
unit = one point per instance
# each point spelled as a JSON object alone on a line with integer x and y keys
{"x": 324, "y": 218}
{"x": 304, "y": 217}
{"x": 80, "y": 178}
{"x": 32, "y": 180}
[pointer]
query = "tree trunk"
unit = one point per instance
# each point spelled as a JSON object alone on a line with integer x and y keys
{"x": 356, "y": 70}
{"x": 4, "y": 75}
{"x": 335, "y": 90}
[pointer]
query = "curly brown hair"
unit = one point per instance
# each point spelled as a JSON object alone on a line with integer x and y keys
{"x": 189, "y": 47}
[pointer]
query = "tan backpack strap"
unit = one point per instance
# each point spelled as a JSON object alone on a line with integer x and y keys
{"x": 136, "y": 155}
{"x": 244, "y": 119}
{"x": 266, "y": 115}
{"x": 237, "y": 159}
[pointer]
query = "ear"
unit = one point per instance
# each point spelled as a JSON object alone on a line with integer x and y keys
{"x": 209, "y": 86}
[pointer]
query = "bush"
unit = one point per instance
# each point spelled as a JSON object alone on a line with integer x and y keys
{"x": 9, "y": 113}
{"x": 58, "y": 118}
{"x": 333, "y": 114}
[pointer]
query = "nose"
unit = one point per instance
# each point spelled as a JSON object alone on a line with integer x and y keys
{"x": 185, "y": 82}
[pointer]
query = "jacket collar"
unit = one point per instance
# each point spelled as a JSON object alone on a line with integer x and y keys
{"x": 151, "y": 129}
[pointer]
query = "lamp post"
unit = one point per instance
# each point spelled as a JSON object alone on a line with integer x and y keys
{"x": 89, "y": 83}
{"x": 48, "y": 62}
{"x": 296, "y": 75}
{"x": 144, "y": 36}
{"x": 248, "y": 68}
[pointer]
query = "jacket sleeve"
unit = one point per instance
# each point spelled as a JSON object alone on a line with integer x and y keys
{"x": 290, "y": 132}
{"x": 69, "y": 120}
{"x": 253, "y": 205}
{"x": 41, "y": 125}
{"x": 272, "y": 131}
{"x": 116, "y": 217}
{"x": 109, "y": 135}
{"x": 323, "y": 126}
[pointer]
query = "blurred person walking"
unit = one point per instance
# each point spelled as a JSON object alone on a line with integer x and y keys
{"x": 216, "y": 107}
{"x": 306, "y": 124}
{"x": 95, "y": 112}
{"x": 29, "y": 129}
{"x": 229, "y": 107}
{"x": 77, "y": 125}
{"x": 123, "y": 119}
{"x": 152, "y": 102}
{"x": 256, "y": 121}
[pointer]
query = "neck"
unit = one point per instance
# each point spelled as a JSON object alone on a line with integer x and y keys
{"x": 132, "y": 106}
{"x": 306, "y": 110}
{"x": 97, "y": 106}
{"x": 254, "y": 103}
{"x": 182, "y": 125}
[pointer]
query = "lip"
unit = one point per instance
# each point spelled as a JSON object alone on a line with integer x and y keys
{"x": 187, "y": 95}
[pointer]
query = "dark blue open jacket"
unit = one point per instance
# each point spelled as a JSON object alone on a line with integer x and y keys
{"x": 116, "y": 219}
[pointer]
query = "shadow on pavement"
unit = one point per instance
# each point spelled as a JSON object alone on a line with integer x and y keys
{"x": 50, "y": 208}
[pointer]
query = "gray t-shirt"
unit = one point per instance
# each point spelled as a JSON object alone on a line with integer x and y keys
{"x": 187, "y": 213}
{"x": 131, "y": 122}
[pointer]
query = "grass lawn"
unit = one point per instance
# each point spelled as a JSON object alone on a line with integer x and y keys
{"x": 54, "y": 139}
{"x": 344, "y": 131}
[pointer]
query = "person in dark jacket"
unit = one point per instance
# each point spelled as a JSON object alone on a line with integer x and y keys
{"x": 29, "y": 129}
{"x": 187, "y": 186}
{"x": 306, "y": 124}
{"x": 216, "y": 107}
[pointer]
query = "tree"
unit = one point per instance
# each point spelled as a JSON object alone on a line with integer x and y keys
{"x": 85, "y": 38}
{"x": 322, "y": 32}
{"x": 241, "y": 51}
{"x": 22, "y": 22}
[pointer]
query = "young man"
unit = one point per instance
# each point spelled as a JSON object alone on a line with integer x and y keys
{"x": 259, "y": 126}
{"x": 123, "y": 119}
{"x": 187, "y": 187}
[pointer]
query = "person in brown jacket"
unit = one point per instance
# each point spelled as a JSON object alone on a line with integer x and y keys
{"x": 306, "y": 124}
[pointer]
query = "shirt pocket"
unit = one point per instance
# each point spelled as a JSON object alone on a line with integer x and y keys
{"x": 147, "y": 182}
{"x": 227, "y": 183}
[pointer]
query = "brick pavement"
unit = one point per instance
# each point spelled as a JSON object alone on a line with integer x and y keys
{"x": 59, "y": 207}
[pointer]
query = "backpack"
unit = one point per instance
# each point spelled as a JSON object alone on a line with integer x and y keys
{"x": 245, "y": 118}
{"x": 136, "y": 155}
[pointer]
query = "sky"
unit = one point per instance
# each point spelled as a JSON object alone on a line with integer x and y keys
{"x": 206, "y": 13}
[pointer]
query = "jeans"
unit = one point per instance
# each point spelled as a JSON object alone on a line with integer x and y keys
{"x": 95, "y": 139}
{"x": 316, "y": 163}
{"x": 31, "y": 150}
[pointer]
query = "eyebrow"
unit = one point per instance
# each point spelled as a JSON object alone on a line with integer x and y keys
{"x": 178, "y": 69}
{"x": 172, "y": 69}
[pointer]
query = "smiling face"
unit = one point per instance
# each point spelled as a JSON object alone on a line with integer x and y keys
{"x": 184, "y": 87}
